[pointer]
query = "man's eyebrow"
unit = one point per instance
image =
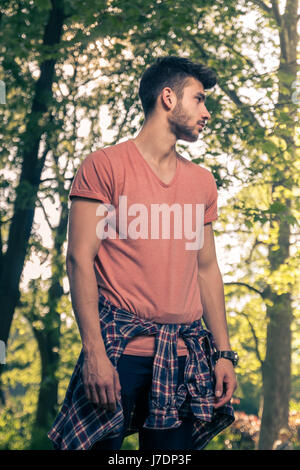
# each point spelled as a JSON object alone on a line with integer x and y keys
{"x": 201, "y": 95}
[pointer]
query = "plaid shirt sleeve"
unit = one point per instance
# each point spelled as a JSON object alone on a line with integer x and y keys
{"x": 79, "y": 424}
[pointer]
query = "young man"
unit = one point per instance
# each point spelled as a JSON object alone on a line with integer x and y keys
{"x": 140, "y": 288}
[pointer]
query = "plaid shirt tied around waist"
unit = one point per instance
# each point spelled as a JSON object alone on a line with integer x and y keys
{"x": 80, "y": 423}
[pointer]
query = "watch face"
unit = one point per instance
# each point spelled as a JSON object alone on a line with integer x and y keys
{"x": 232, "y": 355}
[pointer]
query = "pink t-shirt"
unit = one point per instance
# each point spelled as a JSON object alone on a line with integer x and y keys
{"x": 148, "y": 264}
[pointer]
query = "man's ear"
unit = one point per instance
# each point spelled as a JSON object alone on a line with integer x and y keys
{"x": 168, "y": 97}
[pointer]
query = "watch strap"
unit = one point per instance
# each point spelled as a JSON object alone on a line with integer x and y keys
{"x": 231, "y": 355}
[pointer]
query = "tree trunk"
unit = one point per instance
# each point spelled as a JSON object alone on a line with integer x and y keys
{"x": 276, "y": 369}
{"x": 48, "y": 343}
{"x": 26, "y": 192}
{"x": 49, "y": 337}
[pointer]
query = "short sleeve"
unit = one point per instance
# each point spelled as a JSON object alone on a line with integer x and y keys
{"x": 94, "y": 178}
{"x": 211, "y": 207}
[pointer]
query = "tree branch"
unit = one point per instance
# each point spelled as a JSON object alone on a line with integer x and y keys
{"x": 245, "y": 285}
{"x": 256, "y": 242}
{"x": 55, "y": 179}
{"x": 276, "y": 13}
{"x": 231, "y": 93}
{"x": 40, "y": 204}
{"x": 240, "y": 105}
{"x": 273, "y": 11}
{"x": 262, "y": 5}
{"x": 254, "y": 336}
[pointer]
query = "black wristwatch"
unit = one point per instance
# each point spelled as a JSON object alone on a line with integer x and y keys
{"x": 231, "y": 355}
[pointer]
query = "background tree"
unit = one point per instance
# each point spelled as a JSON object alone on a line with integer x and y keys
{"x": 251, "y": 149}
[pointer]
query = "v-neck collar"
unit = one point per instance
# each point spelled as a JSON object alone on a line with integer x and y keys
{"x": 164, "y": 185}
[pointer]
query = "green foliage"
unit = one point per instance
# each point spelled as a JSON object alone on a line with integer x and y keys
{"x": 131, "y": 442}
{"x": 20, "y": 383}
{"x": 252, "y": 150}
{"x": 223, "y": 441}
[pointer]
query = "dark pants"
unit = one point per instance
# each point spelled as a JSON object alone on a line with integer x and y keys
{"x": 135, "y": 374}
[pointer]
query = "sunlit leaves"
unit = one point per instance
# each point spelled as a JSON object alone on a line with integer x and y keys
{"x": 249, "y": 147}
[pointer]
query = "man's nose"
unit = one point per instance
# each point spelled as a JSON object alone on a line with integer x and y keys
{"x": 205, "y": 114}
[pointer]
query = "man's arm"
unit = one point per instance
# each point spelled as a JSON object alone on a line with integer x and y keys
{"x": 212, "y": 290}
{"x": 100, "y": 378}
{"x": 214, "y": 315}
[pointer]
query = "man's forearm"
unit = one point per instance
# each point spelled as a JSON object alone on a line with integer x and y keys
{"x": 84, "y": 296}
{"x": 212, "y": 297}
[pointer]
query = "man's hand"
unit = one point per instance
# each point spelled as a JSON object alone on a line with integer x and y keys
{"x": 101, "y": 381}
{"x": 226, "y": 382}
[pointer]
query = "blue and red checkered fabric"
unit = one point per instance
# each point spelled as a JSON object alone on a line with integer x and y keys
{"x": 80, "y": 423}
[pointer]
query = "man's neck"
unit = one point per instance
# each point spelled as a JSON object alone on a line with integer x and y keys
{"x": 161, "y": 150}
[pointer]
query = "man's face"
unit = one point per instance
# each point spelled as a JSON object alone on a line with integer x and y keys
{"x": 189, "y": 116}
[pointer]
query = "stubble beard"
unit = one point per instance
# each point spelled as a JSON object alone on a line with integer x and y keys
{"x": 179, "y": 124}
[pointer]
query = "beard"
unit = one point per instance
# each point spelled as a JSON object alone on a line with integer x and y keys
{"x": 179, "y": 126}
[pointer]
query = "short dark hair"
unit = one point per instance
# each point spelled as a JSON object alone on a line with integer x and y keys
{"x": 171, "y": 71}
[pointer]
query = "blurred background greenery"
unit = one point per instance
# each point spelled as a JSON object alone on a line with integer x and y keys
{"x": 71, "y": 72}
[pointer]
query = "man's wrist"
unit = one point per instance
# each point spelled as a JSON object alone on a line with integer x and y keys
{"x": 90, "y": 348}
{"x": 224, "y": 348}
{"x": 226, "y": 354}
